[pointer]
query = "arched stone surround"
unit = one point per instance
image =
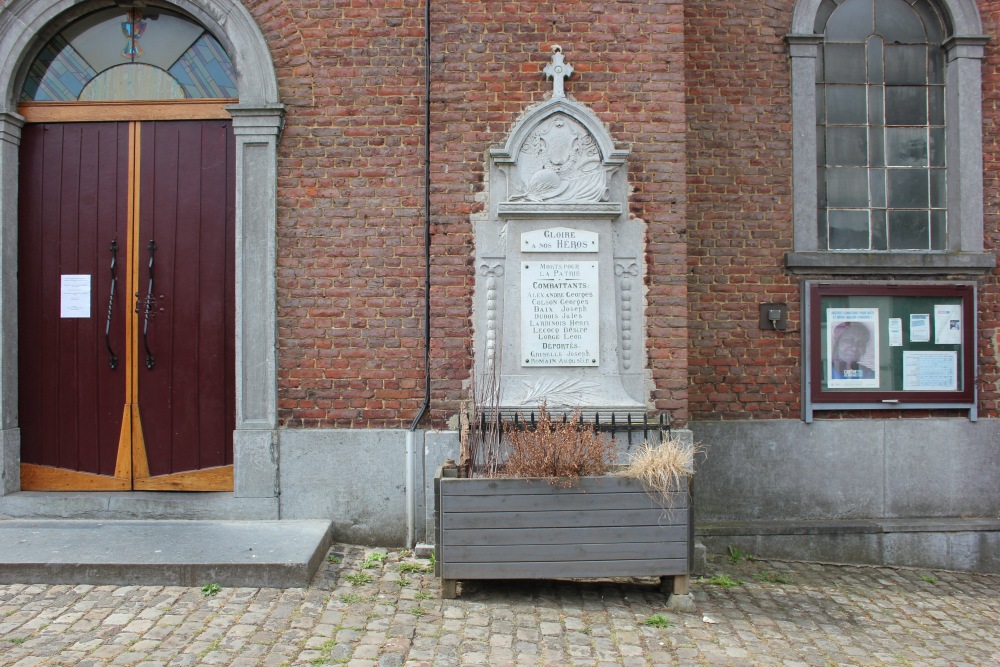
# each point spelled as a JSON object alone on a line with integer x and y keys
{"x": 25, "y": 25}
{"x": 965, "y": 251}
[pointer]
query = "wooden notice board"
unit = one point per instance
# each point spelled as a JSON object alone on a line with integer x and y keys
{"x": 889, "y": 345}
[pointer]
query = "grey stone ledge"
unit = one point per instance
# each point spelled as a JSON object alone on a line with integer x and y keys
{"x": 847, "y": 527}
{"x": 138, "y": 505}
{"x": 559, "y": 209}
{"x": 891, "y": 262}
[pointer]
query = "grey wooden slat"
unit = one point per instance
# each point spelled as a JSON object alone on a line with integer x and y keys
{"x": 565, "y": 552}
{"x": 568, "y": 570}
{"x": 649, "y": 517}
{"x": 481, "y": 486}
{"x": 574, "y": 502}
{"x": 589, "y": 535}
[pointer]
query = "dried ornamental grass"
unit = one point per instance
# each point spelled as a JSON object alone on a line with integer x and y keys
{"x": 561, "y": 451}
{"x": 662, "y": 468}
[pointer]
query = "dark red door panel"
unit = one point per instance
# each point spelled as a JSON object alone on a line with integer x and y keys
{"x": 187, "y": 397}
{"x": 73, "y": 202}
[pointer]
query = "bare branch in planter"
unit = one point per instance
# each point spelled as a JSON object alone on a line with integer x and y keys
{"x": 482, "y": 433}
{"x": 562, "y": 451}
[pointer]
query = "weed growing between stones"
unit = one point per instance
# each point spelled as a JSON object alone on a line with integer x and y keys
{"x": 358, "y": 578}
{"x": 723, "y": 580}
{"x": 658, "y": 621}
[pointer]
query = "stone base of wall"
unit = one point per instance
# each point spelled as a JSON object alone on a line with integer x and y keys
{"x": 893, "y": 492}
{"x": 356, "y": 478}
{"x": 847, "y": 469}
{"x": 939, "y": 544}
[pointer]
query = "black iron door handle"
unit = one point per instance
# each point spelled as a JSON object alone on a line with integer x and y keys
{"x": 148, "y": 307}
{"x": 112, "y": 357}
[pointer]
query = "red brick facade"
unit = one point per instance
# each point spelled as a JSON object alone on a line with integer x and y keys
{"x": 700, "y": 91}
{"x": 351, "y": 185}
{"x": 739, "y": 150}
{"x": 989, "y": 289}
{"x": 739, "y": 210}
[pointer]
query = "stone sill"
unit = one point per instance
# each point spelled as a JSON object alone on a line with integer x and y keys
{"x": 609, "y": 210}
{"x": 844, "y": 263}
{"x": 847, "y": 526}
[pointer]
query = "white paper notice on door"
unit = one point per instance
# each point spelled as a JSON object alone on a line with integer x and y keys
{"x": 74, "y": 296}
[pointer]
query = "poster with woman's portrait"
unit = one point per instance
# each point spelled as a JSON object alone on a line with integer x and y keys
{"x": 852, "y": 348}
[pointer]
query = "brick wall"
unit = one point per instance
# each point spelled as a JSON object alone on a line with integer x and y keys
{"x": 739, "y": 210}
{"x": 989, "y": 289}
{"x": 350, "y": 268}
{"x": 740, "y": 217}
{"x": 350, "y": 212}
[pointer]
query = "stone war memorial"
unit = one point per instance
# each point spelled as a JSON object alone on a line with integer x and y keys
{"x": 559, "y": 299}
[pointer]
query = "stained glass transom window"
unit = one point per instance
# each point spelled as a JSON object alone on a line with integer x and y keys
{"x": 880, "y": 104}
{"x": 131, "y": 54}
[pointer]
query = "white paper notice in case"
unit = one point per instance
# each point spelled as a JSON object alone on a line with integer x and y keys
{"x": 948, "y": 324}
{"x": 74, "y": 301}
{"x": 930, "y": 371}
{"x": 895, "y": 332}
{"x": 920, "y": 328}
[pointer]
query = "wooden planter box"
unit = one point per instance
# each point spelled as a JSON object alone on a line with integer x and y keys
{"x": 530, "y": 529}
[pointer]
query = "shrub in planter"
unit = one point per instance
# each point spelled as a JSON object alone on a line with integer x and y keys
{"x": 554, "y": 506}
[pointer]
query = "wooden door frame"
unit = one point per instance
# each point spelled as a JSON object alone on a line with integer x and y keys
{"x": 132, "y": 468}
{"x": 257, "y": 122}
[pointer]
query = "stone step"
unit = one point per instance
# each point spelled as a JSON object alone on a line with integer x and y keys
{"x": 275, "y": 554}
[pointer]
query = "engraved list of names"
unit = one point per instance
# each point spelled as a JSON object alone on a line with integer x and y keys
{"x": 559, "y": 314}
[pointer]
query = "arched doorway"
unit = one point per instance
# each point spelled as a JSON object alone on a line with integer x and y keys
{"x": 126, "y": 241}
{"x": 142, "y": 136}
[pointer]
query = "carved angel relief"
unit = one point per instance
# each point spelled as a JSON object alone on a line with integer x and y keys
{"x": 560, "y": 162}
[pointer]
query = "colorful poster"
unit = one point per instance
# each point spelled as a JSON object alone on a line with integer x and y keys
{"x": 852, "y": 348}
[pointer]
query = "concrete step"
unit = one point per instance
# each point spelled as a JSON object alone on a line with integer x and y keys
{"x": 277, "y": 554}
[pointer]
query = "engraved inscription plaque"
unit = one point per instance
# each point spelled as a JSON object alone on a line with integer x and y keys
{"x": 559, "y": 239}
{"x": 559, "y": 314}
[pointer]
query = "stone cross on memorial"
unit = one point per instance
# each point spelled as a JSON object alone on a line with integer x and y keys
{"x": 559, "y": 70}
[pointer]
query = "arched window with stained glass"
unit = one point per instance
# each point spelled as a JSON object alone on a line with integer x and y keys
{"x": 127, "y": 54}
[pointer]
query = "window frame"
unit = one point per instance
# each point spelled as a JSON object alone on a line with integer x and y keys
{"x": 964, "y": 252}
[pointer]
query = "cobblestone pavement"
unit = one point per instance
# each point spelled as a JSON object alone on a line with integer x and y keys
{"x": 369, "y": 608}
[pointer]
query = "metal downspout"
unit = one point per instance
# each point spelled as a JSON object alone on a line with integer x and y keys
{"x": 411, "y": 482}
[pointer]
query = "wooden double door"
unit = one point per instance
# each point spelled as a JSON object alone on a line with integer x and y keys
{"x": 126, "y": 305}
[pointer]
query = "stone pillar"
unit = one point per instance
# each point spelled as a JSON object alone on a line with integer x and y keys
{"x": 803, "y": 50}
{"x": 255, "y": 441}
{"x": 10, "y": 435}
{"x": 964, "y": 141}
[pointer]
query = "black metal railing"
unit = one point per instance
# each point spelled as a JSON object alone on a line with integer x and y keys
{"x": 654, "y": 428}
